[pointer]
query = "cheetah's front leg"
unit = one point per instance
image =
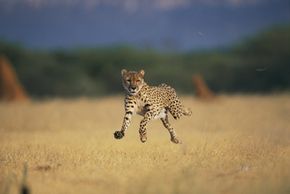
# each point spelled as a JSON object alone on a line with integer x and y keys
{"x": 143, "y": 123}
{"x": 129, "y": 110}
{"x": 126, "y": 122}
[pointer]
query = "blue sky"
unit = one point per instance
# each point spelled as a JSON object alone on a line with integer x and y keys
{"x": 163, "y": 24}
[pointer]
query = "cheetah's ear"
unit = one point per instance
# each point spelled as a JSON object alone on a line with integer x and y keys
{"x": 123, "y": 72}
{"x": 142, "y": 72}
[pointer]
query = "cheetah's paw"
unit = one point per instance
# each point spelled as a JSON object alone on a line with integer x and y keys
{"x": 143, "y": 139}
{"x": 175, "y": 140}
{"x": 119, "y": 134}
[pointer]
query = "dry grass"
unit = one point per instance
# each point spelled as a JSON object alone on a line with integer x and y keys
{"x": 237, "y": 144}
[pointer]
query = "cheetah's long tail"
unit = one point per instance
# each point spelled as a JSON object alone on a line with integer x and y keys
{"x": 179, "y": 112}
{"x": 187, "y": 112}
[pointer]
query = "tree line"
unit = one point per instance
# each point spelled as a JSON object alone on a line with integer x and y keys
{"x": 257, "y": 64}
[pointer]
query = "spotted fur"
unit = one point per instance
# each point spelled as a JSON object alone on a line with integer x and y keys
{"x": 151, "y": 102}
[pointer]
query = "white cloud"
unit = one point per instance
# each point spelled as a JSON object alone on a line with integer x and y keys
{"x": 128, "y": 5}
{"x": 169, "y": 4}
{"x": 231, "y": 2}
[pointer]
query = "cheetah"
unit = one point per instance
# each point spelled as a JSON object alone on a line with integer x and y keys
{"x": 151, "y": 102}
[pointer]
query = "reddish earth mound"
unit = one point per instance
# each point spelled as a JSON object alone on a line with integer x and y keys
{"x": 202, "y": 91}
{"x": 10, "y": 86}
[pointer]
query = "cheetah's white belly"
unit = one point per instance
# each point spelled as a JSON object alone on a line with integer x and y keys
{"x": 162, "y": 114}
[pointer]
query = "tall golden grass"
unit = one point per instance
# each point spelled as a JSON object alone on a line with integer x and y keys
{"x": 236, "y": 144}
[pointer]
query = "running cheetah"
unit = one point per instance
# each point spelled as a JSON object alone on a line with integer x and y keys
{"x": 152, "y": 102}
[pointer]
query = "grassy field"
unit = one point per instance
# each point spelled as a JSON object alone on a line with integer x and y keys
{"x": 236, "y": 144}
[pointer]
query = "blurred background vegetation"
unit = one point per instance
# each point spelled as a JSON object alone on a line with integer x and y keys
{"x": 258, "y": 64}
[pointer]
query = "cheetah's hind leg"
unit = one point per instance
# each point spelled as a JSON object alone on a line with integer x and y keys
{"x": 170, "y": 129}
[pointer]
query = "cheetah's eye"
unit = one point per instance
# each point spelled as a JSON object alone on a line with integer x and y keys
{"x": 138, "y": 81}
{"x": 128, "y": 80}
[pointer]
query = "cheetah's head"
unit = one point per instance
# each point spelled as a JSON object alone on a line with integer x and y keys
{"x": 132, "y": 81}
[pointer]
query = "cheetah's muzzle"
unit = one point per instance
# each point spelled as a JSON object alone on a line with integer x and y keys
{"x": 119, "y": 134}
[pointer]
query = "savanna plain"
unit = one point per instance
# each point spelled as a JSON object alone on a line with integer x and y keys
{"x": 234, "y": 144}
